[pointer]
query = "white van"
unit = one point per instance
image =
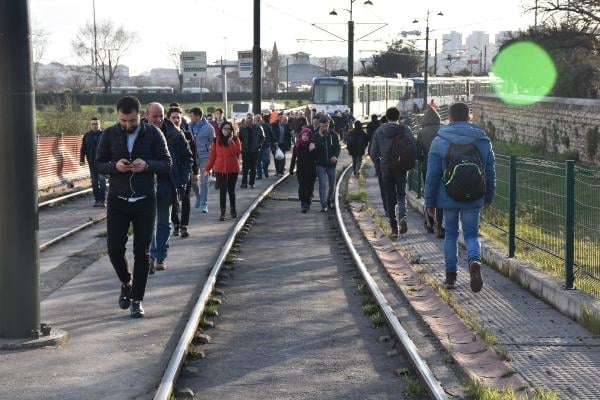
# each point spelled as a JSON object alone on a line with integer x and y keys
{"x": 240, "y": 110}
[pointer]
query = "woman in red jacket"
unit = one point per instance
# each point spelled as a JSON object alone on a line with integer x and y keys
{"x": 224, "y": 161}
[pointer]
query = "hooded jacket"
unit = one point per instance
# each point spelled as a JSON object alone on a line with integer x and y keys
{"x": 459, "y": 133}
{"x": 204, "y": 133}
{"x": 429, "y": 129}
{"x": 325, "y": 147}
{"x": 381, "y": 146}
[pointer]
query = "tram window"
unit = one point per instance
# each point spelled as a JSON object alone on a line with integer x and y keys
{"x": 329, "y": 94}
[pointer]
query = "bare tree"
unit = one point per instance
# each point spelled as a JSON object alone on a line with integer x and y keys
{"x": 77, "y": 79}
{"x": 39, "y": 41}
{"x": 584, "y": 14}
{"x": 174, "y": 54}
{"x": 112, "y": 43}
{"x": 329, "y": 63}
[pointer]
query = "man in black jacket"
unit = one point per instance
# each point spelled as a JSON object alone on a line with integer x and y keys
{"x": 282, "y": 132}
{"x": 171, "y": 185}
{"x": 252, "y": 138}
{"x": 131, "y": 153}
{"x": 89, "y": 144}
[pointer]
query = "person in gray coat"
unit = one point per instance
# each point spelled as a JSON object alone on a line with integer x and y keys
{"x": 429, "y": 129}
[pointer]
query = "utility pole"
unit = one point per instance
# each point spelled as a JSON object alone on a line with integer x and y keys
{"x": 95, "y": 46}
{"x": 485, "y": 58}
{"x": 224, "y": 87}
{"x": 351, "y": 63}
{"x": 287, "y": 75}
{"x": 256, "y": 61}
{"x": 435, "y": 59}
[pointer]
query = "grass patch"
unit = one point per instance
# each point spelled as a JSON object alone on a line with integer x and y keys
{"x": 102, "y": 234}
{"x": 370, "y": 309}
{"x": 589, "y": 320}
{"x": 211, "y": 311}
{"x": 504, "y": 354}
{"x": 414, "y": 388}
{"x": 478, "y": 391}
{"x": 195, "y": 352}
{"x": 377, "y": 319}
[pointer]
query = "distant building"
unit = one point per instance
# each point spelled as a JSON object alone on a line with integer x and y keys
{"x": 452, "y": 42}
{"x": 298, "y": 70}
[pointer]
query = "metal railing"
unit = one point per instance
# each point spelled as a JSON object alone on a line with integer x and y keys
{"x": 547, "y": 213}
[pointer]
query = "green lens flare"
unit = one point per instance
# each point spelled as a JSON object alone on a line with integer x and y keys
{"x": 527, "y": 73}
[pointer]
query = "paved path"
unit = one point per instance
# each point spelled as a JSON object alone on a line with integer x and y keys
{"x": 109, "y": 355}
{"x": 547, "y": 348}
{"x": 291, "y": 325}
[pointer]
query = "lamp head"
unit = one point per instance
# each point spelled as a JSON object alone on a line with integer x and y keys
{"x": 415, "y": 21}
{"x": 333, "y": 12}
{"x": 368, "y": 3}
{"x": 441, "y": 14}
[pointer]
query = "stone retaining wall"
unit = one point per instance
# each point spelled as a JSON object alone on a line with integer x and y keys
{"x": 555, "y": 124}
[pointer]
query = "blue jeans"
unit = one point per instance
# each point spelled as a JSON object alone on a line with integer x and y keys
{"x": 469, "y": 218}
{"x": 326, "y": 176}
{"x": 162, "y": 233}
{"x": 202, "y": 199}
{"x": 98, "y": 186}
{"x": 264, "y": 159}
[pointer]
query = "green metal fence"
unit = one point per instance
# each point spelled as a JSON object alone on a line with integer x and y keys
{"x": 547, "y": 213}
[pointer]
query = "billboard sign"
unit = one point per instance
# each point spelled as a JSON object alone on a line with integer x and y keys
{"x": 245, "y": 64}
{"x": 193, "y": 64}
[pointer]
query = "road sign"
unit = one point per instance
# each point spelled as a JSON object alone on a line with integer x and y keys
{"x": 193, "y": 65}
{"x": 245, "y": 64}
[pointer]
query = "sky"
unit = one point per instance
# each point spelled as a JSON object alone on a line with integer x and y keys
{"x": 223, "y": 27}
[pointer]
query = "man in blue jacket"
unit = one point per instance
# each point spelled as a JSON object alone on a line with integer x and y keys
{"x": 459, "y": 131}
{"x": 131, "y": 153}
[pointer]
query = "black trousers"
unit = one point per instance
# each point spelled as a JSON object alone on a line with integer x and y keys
{"x": 394, "y": 190}
{"x": 185, "y": 208}
{"x": 226, "y": 184}
{"x": 249, "y": 160}
{"x": 280, "y": 164}
{"x": 119, "y": 215}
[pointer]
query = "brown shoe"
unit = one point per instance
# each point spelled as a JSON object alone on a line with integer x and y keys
{"x": 475, "y": 272}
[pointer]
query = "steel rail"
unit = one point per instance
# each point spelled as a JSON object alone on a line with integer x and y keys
{"x": 167, "y": 383}
{"x": 432, "y": 384}
{"x": 73, "y": 231}
{"x": 63, "y": 198}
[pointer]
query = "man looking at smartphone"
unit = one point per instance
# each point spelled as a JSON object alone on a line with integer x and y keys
{"x": 131, "y": 153}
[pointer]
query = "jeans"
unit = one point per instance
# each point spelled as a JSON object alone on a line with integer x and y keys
{"x": 227, "y": 185}
{"x": 356, "y": 163}
{"x": 162, "y": 234}
{"x": 249, "y": 159}
{"x": 264, "y": 159}
{"x": 469, "y": 218}
{"x": 184, "y": 209}
{"x": 119, "y": 215}
{"x": 326, "y": 176}
{"x": 98, "y": 186}
{"x": 202, "y": 199}
{"x": 394, "y": 186}
{"x": 280, "y": 164}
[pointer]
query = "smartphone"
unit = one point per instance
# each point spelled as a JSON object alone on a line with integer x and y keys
{"x": 126, "y": 162}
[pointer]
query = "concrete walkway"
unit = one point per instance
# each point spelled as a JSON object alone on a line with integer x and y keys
{"x": 548, "y": 349}
{"x": 109, "y": 355}
{"x": 291, "y": 326}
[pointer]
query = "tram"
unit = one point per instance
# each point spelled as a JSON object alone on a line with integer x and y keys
{"x": 447, "y": 90}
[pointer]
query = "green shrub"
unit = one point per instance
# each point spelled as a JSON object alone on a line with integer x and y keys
{"x": 110, "y": 110}
{"x": 101, "y": 110}
{"x": 210, "y": 110}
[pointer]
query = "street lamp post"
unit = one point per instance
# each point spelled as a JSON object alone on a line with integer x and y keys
{"x": 351, "y": 53}
{"x": 426, "y": 73}
{"x": 480, "y": 58}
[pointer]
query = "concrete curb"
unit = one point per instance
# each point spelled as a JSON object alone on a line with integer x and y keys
{"x": 466, "y": 347}
{"x": 571, "y": 303}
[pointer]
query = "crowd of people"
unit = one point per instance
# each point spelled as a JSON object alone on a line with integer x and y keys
{"x": 155, "y": 160}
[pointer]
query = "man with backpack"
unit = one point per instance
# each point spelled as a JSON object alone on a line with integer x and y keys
{"x": 461, "y": 178}
{"x": 394, "y": 150}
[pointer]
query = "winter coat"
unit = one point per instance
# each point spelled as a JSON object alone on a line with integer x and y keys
{"x": 89, "y": 145}
{"x": 252, "y": 137}
{"x": 381, "y": 146}
{"x": 192, "y": 143}
{"x": 429, "y": 129}
{"x": 287, "y": 136}
{"x": 459, "y": 133}
{"x": 326, "y": 147}
{"x": 150, "y": 146}
{"x": 357, "y": 142}
{"x": 270, "y": 139}
{"x": 204, "y": 134}
{"x": 224, "y": 159}
{"x": 181, "y": 156}
{"x": 304, "y": 160}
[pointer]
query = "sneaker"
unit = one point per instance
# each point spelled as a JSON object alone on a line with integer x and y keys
{"x": 428, "y": 227}
{"x": 176, "y": 230}
{"x": 304, "y": 210}
{"x": 251, "y": 186}
{"x": 450, "y": 280}
{"x": 137, "y": 311}
{"x": 204, "y": 210}
{"x": 441, "y": 233}
{"x": 324, "y": 209}
{"x": 102, "y": 204}
{"x": 403, "y": 226}
{"x": 125, "y": 296}
{"x": 233, "y": 214}
{"x": 96, "y": 204}
{"x": 161, "y": 265}
{"x": 152, "y": 266}
{"x": 394, "y": 229}
{"x": 184, "y": 231}
{"x": 475, "y": 272}
{"x": 243, "y": 186}
{"x": 222, "y": 217}
{"x": 258, "y": 178}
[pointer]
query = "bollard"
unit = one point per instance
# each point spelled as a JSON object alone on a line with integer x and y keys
{"x": 569, "y": 223}
{"x": 512, "y": 205}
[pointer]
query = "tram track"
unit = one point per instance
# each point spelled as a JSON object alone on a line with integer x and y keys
{"x": 244, "y": 227}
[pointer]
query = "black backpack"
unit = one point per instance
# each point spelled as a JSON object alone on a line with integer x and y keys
{"x": 402, "y": 155}
{"x": 464, "y": 176}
